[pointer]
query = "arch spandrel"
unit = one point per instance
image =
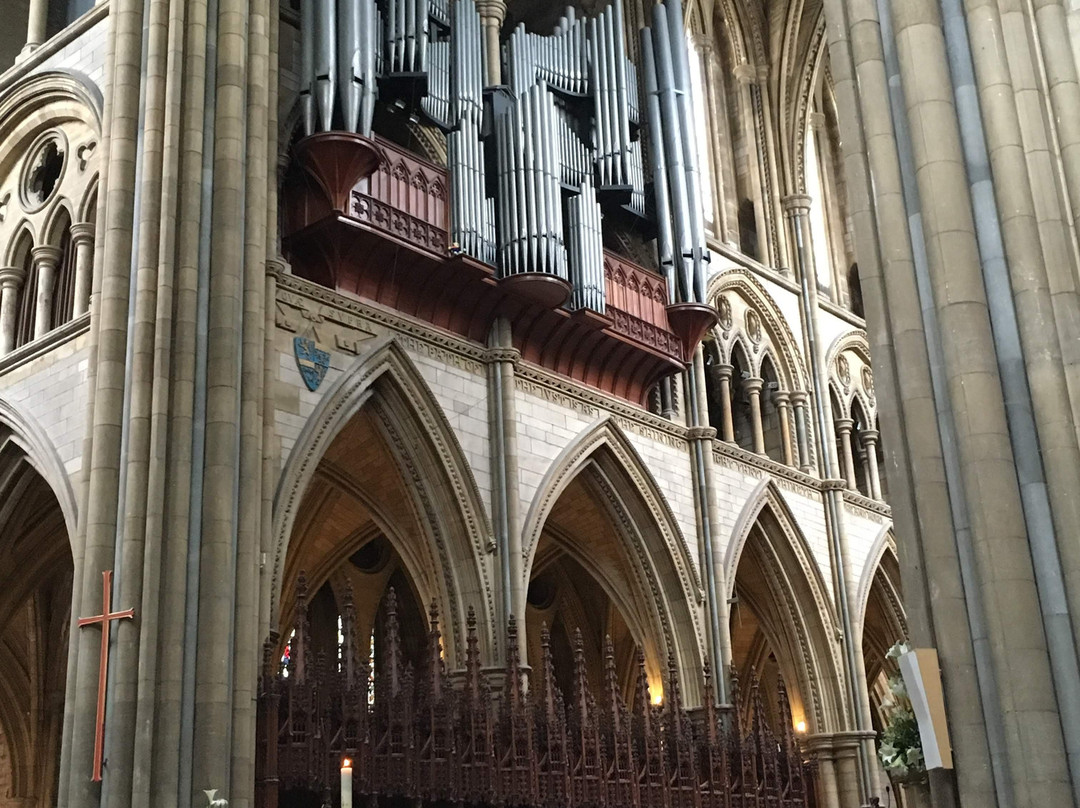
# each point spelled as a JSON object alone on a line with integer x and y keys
{"x": 661, "y": 571}
{"x": 882, "y": 560}
{"x": 22, "y": 430}
{"x": 69, "y": 104}
{"x": 851, "y": 374}
{"x": 740, "y": 286}
{"x": 384, "y": 385}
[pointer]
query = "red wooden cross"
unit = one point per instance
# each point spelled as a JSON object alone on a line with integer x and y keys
{"x": 105, "y": 618}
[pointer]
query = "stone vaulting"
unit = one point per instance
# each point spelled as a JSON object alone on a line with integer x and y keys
{"x": 515, "y": 402}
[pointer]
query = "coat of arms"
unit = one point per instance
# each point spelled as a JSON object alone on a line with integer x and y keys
{"x": 312, "y": 361}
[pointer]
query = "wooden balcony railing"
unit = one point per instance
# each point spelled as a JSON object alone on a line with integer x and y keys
{"x": 369, "y": 218}
{"x": 636, "y": 304}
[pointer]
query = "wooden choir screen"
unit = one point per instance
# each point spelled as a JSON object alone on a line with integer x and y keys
{"x": 429, "y": 738}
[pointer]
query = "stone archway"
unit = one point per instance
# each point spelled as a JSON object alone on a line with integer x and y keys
{"x": 781, "y": 620}
{"x": 36, "y": 569}
{"x": 379, "y": 460}
{"x": 604, "y": 555}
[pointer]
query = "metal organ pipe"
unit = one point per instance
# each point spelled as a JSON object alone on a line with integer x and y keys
{"x": 325, "y": 77}
{"x": 664, "y": 238}
{"x": 307, "y": 65}
{"x": 681, "y": 75}
{"x": 676, "y": 170}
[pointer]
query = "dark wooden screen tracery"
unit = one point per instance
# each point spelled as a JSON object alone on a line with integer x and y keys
{"x": 432, "y": 738}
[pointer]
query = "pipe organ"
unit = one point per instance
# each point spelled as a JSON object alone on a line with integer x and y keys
{"x": 534, "y": 165}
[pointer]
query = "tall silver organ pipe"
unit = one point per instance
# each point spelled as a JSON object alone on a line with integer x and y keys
{"x": 408, "y": 33}
{"x": 307, "y": 65}
{"x": 471, "y": 222}
{"x": 339, "y": 64}
{"x": 684, "y": 98}
{"x": 585, "y": 249}
{"x": 670, "y": 123}
{"x": 530, "y": 196}
{"x": 324, "y": 80}
{"x": 665, "y": 242}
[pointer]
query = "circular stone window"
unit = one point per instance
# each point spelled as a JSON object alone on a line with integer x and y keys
{"x": 42, "y": 170}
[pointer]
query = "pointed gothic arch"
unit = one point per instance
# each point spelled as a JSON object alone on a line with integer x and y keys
{"x": 37, "y": 524}
{"x": 436, "y": 521}
{"x": 650, "y": 571}
{"x": 791, "y": 603}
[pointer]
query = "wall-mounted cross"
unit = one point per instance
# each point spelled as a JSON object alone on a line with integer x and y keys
{"x": 105, "y": 618}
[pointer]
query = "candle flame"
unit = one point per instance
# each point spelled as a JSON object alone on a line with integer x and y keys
{"x": 800, "y": 726}
{"x": 346, "y": 763}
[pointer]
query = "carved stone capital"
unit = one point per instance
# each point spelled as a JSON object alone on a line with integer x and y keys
{"x": 277, "y": 267}
{"x": 796, "y": 204}
{"x": 46, "y": 255}
{"x": 12, "y": 277}
{"x": 844, "y": 425}
{"x": 701, "y": 433}
{"x": 753, "y": 385}
{"x": 799, "y": 398}
{"x": 782, "y": 398}
{"x": 82, "y": 233}
{"x": 746, "y": 73}
{"x": 722, "y": 371}
{"x": 869, "y": 436}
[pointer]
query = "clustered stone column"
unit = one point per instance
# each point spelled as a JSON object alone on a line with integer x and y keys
{"x": 753, "y": 389}
{"x": 82, "y": 240}
{"x": 46, "y": 260}
{"x": 847, "y": 458}
{"x": 798, "y": 403}
{"x": 782, "y": 400}
{"x": 869, "y": 440}
{"x": 11, "y": 283}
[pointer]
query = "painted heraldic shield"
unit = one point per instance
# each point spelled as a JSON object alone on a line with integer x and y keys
{"x": 312, "y": 361}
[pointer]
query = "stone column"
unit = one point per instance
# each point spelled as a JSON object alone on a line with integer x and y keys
{"x": 820, "y": 749}
{"x": 727, "y": 426}
{"x": 501, "y": 360}
{"x": 82, "y": 240}
{"x": 36, "y": 24}
{"x": 46, "y": 260}
{"x": 783, "y": 405}
{"x": 870, "y": 440}
{"x": 11, "y": 281}
{"x": 798, "y": 402}
{"x": 923, "y": 509}
{"x": 492, "y": 13}
{"x": 753, "y": 388}
{"x": 847, "y": 458}
{"x": 985, "y": 462}
{"x": 846, "y": 752}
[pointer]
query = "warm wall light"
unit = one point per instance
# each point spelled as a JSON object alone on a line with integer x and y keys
{"x": 656, "y": 696}
{"x": 800, "y": 726}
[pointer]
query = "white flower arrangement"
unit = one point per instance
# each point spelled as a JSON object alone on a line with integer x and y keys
{"x": 900, "y": 747}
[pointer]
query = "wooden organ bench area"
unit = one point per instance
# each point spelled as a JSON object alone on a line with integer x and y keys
{"x": 537, "y": 168}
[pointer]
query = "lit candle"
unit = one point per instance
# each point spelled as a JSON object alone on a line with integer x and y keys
{"x": 346, "y": 783}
